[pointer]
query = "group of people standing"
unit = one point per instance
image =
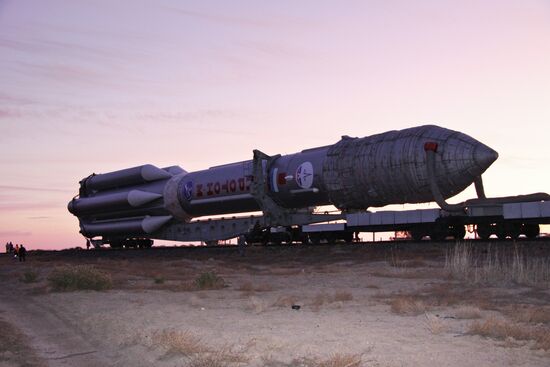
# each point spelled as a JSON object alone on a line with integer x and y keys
{"x": 19, "y": 251}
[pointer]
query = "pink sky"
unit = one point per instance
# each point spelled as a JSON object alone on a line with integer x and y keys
{"x": 94, "y": 86}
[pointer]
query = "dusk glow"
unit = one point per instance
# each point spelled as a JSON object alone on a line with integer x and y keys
{"x": 96, "y": 86}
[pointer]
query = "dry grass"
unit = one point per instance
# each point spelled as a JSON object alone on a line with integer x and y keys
{"x": 223, "y": 357}
{"x": 79, "y": 277}
{"x": 502, "y": 329}
{"x": 209, "y": 280}
{"x": 529, "y": 313}
{"x": 406, "y": 305}
{"x": 249, "y": 287}
{"x": 434, "y": 324}
{"x": 285, "y": 301}
{"x": 186, "y": 344}
{"x": 257, "y": 305}
{"x": 335, "y": 360}
{"x": 179, "y": 342}
{"x": 341, "y": 360}
{"x": 467, "y": 313}
{"x": 30, "y": 276}
{"x": 497, "y": 267}
{"x": 323, "y": 298}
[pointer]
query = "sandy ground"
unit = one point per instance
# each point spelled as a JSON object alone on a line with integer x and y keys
{"x": 349, "y": 310}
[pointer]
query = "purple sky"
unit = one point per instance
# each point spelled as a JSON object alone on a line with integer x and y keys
{"x": 94, "y": 86}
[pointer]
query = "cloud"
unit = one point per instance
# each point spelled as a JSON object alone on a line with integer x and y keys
{"x": 14, "y": 100}
{"x": 9, "y": 114}
{"x": 224, "y": 19}
{"x": 39, "y": 218}
{"x": 15, "y": 233}
{"x": 35, "y": 189}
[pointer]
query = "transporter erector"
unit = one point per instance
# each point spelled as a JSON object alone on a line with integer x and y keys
{"x": 414, "y": 165}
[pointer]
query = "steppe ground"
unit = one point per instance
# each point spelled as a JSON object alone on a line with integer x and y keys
{"x": 402, "y": 304}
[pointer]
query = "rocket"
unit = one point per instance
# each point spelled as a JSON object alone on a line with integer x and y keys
{"x": 352, "y": 174}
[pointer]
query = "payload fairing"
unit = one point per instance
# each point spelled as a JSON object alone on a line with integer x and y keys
{"x": 353, "y": 174}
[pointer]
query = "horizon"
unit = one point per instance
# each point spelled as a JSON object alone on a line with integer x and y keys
{"x": 101, "y": 86}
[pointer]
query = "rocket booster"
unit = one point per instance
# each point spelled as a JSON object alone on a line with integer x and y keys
{"x": 353, "y": 174}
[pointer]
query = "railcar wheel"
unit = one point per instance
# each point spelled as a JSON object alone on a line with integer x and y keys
{"x": 531, "y": 231}
{"x": 484, "y": 231}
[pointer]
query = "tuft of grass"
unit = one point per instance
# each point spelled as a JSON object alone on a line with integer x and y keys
{"x": 179, "y": 342}
{"x": 29, "y": 276}
{"x": 406, "y": 305}
{"x": 159, "y": 280}
{"x": 285, "y": 301}
{"x": 341, "y": 360}
{"x": 335, "y": 360}
{"x": 467, "y": 313}
{"x": 79, "y": 277}
{"x": 434, "y": 324}
{"x": 323, "y": 298}
{"x": 496, "y": 267}
{"x": 502, "y": 330}
{"x": 209, "y": 280}
{"x": 257, "y": 305}
{"x": 199, "y": 354}
{"x": 530, "y": 314}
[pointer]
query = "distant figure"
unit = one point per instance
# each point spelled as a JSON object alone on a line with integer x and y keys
{"x": 87, "y": 243}
{"x": 16, "y": 251}
{"x": 241, "y": 243}
{"x": 22, "y": 253}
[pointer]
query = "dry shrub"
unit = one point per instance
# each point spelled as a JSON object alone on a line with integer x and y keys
{"x": 406, "y": 305}
{"x": 434, "y": 324}
{"x": 335, "y": 360}
{"x": 257, "y": 305}
{"x": 223, "y": 357}
{"x": 502, "y": 329}
{"x": 530, "y": 314}
{"x": 209, "y": 280}
{"x": 285, "y": 301}
{"x": 248, "y": 287}
{"x": 179, "y": 342}
{"x": 323, "y": 298}
{"x": 467, "y": 313}
{"x": 29, "y": 276}
{"x": 186, "y": 344}
{"x": 497, "y": 267}
{"x": 342, "y": 296}
{"x": 341, "y": 360}
{"x": 79, "y": 277}
{"x": 396, "y": 262}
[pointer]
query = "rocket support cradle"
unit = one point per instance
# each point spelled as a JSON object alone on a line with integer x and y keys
{"x": 414, "y": 165}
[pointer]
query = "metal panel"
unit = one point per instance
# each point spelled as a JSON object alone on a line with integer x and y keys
{"x": 403, "y": 216}
{"x": 323, "y": 227}
{"x": 430, "y": 215}
{"x": 511, "y": 211}
{"x": 485, "y": 210}
{"x": 388, "y": 217}
{"x": 545, "y": 209}
{"x": 530, "y": 210}
{"x": 376, "y": 218}
{"x": 358, "y": 219}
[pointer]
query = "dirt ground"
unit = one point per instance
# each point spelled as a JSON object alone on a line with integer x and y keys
{"x": 341, "y": 305}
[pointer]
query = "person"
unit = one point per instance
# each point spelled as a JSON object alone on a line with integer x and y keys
{"x": 241, "y": 242}
{"x": 87, "y": 243}
{"x": 22, "y": 253}
{"x": 16, "y": 251}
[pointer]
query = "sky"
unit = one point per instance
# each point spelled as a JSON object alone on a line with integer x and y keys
{"x": 94, "y": 86}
